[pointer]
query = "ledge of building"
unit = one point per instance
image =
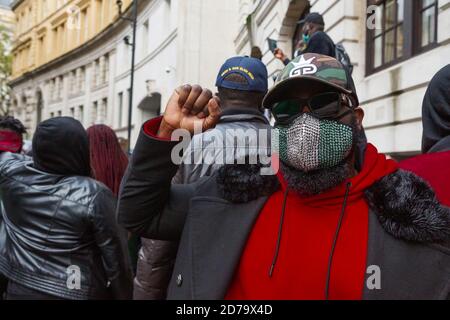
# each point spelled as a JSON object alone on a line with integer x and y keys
{"x": 107, "y": 32}
{"x": 16, "y": 3}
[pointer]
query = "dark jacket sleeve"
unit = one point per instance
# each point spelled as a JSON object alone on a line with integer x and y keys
{"x": 286, "y": 61}
{"x": 149, "y": 205}
{"x": 109, "y": 239}
{"x": 320, "y": 43}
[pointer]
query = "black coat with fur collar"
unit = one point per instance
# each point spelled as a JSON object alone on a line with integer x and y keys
{"x": 409, "y": 231}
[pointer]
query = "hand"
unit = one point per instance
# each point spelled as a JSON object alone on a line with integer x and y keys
{"x": 190, "y": 106}
{"x": 279, "y": 54}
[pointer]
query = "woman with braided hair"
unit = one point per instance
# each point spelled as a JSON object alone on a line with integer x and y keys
{"x": 108, "y": 160}
{"x": 108, "y": 163}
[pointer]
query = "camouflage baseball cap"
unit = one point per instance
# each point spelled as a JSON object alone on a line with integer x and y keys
{"x": 308, "y": 69}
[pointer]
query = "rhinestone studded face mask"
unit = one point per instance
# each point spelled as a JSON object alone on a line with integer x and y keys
{"x": 309, "y": 144}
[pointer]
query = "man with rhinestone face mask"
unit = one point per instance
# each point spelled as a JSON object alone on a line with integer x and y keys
{"x": 321, "y": 139}
{"x": 338, "y": 221}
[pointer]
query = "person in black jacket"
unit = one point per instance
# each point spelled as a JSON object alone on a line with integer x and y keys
{"x": 315, "y": 39}
{"x": 61, "y": 241}
{"x": 11, "y": 140}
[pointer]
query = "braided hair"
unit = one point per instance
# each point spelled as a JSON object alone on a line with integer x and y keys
{"x": 108, "y": 160}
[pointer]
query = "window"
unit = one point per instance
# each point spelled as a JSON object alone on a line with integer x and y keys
{"x": 84, "y": 32}
{"x": 52, "y": 89}
{"x": 81, "y": 114}
{"x": 96, "y": 78}
{"x": 73, "y": 82}
{"x": 401, "y": 29}
{"x": 120, "y": 113}
{"x": 95, "y": 112}
{"x": 82, "y": 80}
{"x": 387, "y": 36}
{"x": 104, "y": 110}
{"x": 62, "y": 40}
{"x": 99, "y": 10}
{"x": 105, "y": 69}
{"x": 427, "y": 23}
{"x": 30, "y": 16}
{"x": 72, "y": 112}
{"x": 42, "y": 50}
{"x": 60, "y": 87}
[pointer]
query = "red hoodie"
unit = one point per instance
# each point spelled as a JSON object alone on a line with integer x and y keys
{"x": 435, "y": 169}
{"x": 307, "y": 235}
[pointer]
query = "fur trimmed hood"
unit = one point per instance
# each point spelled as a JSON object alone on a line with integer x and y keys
{"x": 408, "y": 209}
{"x": 405, "y": 204}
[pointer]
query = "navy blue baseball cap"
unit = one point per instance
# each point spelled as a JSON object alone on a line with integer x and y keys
{"x": 252, "y": 69}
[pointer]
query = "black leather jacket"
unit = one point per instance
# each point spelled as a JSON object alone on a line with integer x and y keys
{"x": 58, "y": 234}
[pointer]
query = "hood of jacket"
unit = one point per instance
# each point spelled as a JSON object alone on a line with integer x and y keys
{"x": 436, "y": 113}
{"x": 61, "y": 146}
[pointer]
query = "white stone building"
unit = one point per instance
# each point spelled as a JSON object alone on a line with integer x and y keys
{"x": 393, "y": 63}
{"x": 177, "y": 42}
{"x": 7, "y": 22}
{"x": 187, "y": 41}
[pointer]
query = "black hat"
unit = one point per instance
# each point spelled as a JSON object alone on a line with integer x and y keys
{"x": 313, "y": 17}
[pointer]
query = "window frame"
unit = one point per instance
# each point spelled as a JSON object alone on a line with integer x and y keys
{"x": 417, "y": 45}
{"x": 370, "y": 41}
{"x": 412, "y": 30}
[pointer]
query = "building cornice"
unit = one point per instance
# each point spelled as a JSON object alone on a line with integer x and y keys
{"x": 105, "y": 34}
{"x": 16, "y": 3}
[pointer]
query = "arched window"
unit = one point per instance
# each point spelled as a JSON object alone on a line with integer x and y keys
{"x": 297, "y": 40}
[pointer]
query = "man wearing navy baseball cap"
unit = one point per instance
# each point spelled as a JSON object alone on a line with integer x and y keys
{"x": 243, "y": 74}
{"x": 241, "y": 84}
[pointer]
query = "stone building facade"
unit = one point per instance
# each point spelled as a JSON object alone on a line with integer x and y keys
{"x": 396, "y": 46}
{"x": 177, "y": 42}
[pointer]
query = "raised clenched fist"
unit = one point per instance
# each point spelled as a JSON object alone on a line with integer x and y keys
{"x": 188, "y": 106}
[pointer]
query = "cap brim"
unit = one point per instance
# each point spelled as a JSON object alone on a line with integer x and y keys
{"x": 281, "y": 91}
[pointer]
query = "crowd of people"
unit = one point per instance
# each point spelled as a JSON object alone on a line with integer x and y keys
{"x": 336, "y": 219}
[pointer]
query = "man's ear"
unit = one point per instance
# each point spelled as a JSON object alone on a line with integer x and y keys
{"x": 359, "y": 112}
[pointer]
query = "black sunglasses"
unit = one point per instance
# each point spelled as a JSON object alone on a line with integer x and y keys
{"x": 323, "y": 106}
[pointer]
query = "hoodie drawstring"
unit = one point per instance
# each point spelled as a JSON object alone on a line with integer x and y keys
{"x": 336, "y": 236}
{"x": 280, "y": 231}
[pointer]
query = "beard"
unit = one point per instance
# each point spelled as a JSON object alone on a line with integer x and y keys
{"x": 316, "y": 182}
